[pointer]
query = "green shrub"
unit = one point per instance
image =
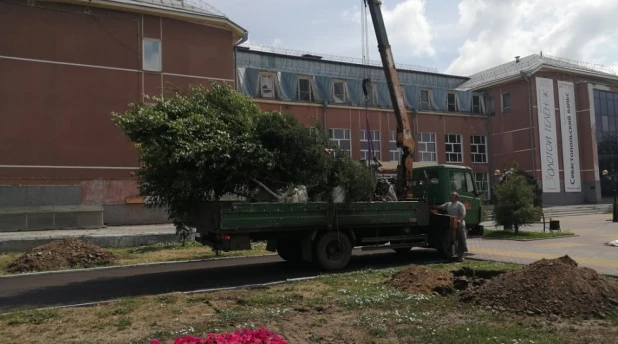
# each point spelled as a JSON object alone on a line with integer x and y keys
{"x": 515, "y": 203}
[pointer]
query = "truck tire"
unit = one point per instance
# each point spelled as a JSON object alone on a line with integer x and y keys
{"x": 333, "y": 251}
{"x": 290, "y": 251}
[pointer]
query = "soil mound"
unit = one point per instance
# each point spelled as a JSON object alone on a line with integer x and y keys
{"x": 61, "y": 254}
{"x": 421, "y": 280}
{"x": 548, "y": 286}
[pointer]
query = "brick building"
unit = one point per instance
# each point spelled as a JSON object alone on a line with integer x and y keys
{"x": 557, "y": 119}
{"x": 65, "y": 66}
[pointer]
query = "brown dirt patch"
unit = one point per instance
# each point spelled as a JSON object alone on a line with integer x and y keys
{"x": 421, "y": 280}
{"x": 61, "y": 254}
{"x": 549, "y": 286}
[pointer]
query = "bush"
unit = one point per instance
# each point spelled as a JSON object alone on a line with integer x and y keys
{"x": 261, "y": 336}
{"x": 515, "y": 203}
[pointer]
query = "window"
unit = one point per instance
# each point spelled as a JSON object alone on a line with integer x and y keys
{"x": 267, "y": 86}
{"x": 365, "y": 141}
{"x": 453, "y": 148}
{"x": 461, "y": 182}
{"x": 395, "y": 152}
{"x": 339, "y": 91}
{"x": 482, "y": 184}
{"x": 453, "y": 106}
{"x": 506, "y": 102}
{"x": 341, "y": 137}
{"x": 477, "y": 104}
{"x": 151, "y": 55}
{"x": 426, "y": 147}
{"x": 305, "y": 89}
{"x": 478, "y": 149}
{"x": 425, "y": 103}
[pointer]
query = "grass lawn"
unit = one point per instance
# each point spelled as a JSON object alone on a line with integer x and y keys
{"x": 523, "y": 235}
{"x": 164, "y": 252}
{"x": 349, "y": 308}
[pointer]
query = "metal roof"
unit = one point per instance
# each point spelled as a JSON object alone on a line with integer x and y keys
{"x": 199, "y": 7}
{"x": 531, "y": 64}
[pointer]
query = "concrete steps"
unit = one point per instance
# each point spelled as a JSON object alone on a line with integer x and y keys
{"x": 561, "y": 211}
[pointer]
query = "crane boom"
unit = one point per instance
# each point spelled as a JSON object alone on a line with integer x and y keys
{"x": 405, "y": 139}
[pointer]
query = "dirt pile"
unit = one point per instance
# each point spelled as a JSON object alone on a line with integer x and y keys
{"x": 61, "y": 254}
{"x": 548, "y": 286}
{"x": 421, "y": 280}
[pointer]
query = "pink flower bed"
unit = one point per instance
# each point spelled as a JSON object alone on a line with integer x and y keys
{"x": 261, "y": 336}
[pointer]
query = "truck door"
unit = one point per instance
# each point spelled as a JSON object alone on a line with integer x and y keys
{"x": 462, "y": 182}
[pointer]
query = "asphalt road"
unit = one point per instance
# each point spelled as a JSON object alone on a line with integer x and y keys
{"x": 61, "y": 289}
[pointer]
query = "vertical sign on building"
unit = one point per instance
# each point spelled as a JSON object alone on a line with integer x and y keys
{"x": 570, "y": 144}
{"x": 548, "y": 144}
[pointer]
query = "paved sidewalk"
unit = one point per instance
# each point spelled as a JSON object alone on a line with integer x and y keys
{"x": 587, "y": 247}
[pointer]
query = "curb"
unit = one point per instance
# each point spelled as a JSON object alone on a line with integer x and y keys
{"x": 42, "y": 273}
{"x": 535, "y": 239}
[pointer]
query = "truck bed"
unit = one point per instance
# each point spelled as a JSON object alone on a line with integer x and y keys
{"x": 244, "y": 217}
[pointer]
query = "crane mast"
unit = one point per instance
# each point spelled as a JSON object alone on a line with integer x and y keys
{"x": 405, "y": 139}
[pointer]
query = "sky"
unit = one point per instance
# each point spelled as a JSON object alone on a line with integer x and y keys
{"x": 459, "y": 37}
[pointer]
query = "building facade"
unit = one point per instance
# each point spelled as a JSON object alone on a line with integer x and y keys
{"x": 556, "y": 119}
{"x": 450, "y": 126}
{"x": 65, "y": 66}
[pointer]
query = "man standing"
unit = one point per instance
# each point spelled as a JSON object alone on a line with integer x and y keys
{"x": 458, "y": 210}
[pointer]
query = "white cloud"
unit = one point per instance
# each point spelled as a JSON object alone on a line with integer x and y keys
{"x": 408, "y": 28}
{"x": 500, "y": 30}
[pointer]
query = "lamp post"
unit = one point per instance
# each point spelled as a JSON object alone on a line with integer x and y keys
{"x": 612, "y": 176}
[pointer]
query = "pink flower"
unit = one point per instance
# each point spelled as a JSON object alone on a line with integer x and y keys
{"x": 244, "y": 336}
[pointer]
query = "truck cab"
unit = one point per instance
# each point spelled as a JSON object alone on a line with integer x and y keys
{"x": 435, "y": 184}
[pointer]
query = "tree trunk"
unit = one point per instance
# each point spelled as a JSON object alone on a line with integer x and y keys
{"x": 265, "y": 188}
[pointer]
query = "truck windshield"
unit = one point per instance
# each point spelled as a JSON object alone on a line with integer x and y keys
{"x": 419, "y": 178}
{"x": 461, "y": 181}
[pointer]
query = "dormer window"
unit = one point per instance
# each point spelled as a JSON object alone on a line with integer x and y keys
{"x": 339, "y": 91}
{"x": 267, "y": 86}
{"x": 453, "y": 104}
{"x": 305, "y": 89}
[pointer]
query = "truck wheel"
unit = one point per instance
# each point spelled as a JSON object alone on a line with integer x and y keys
{"x": 333, "y": 251}
{"x": 290, "y": 252}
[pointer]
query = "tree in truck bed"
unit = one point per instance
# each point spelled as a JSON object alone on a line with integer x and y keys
{"x": 200, "y": 145}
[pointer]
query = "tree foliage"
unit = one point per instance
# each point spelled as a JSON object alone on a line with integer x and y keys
{"x": 515, "y": 202}
{"x": 200, "y": 145}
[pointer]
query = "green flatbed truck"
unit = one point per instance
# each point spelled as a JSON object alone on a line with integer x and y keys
{"x": 325, "y": 233}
